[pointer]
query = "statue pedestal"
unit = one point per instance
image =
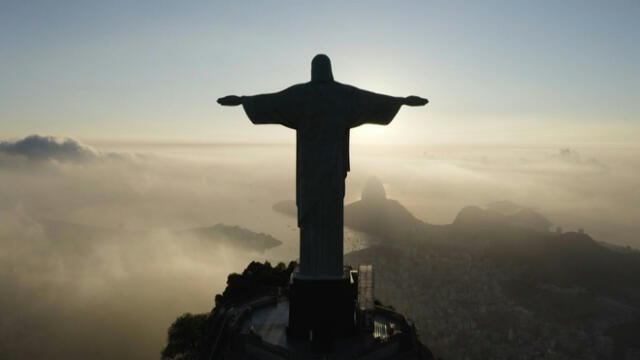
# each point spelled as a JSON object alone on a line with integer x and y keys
{"x": 321, "y": 310}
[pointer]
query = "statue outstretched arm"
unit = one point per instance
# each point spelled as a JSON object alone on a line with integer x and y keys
{"x": 373, "y": 108}
{"x": 231, "y": 100}
{"x": 414, "y": 101}
{"x": 276, "y": 108}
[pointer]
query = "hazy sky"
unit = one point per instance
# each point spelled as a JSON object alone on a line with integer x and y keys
{"x": 508, "y": 71}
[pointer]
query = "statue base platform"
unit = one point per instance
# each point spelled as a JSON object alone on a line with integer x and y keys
{"x": 322, "y": 310}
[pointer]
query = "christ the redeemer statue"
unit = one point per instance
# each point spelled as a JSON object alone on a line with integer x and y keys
{"x": 322, "y": 112}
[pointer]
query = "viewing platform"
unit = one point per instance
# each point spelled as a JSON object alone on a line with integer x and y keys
{"x": 258, "y": 329}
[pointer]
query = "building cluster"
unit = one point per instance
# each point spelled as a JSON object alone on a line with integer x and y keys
{"x": 460, "y": 309}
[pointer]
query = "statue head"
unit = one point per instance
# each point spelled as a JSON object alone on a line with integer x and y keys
{"x": 321, "y": 69}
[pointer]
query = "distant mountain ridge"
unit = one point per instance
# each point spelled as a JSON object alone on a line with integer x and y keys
{"x": 386, "y": 218}
{"x": 81, "y": 236}
{"x": 522, "y": 217}
{"x": 235, "y": 234}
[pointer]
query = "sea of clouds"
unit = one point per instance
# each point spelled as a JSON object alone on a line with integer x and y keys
{"x": 107, "y": 279}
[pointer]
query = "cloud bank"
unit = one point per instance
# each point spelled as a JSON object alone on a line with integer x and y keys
{"x": 36, "y": 147}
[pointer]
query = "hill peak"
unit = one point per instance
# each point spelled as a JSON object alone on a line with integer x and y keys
{"x": 374, "y": 190}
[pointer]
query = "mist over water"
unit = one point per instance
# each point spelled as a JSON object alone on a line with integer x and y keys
{"x": 110, "y": 289}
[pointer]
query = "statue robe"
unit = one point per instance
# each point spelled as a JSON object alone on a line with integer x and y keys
{"x": 322, "y": 114}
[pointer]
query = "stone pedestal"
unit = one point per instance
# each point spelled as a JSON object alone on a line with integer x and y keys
{"x": 321, "y": 310}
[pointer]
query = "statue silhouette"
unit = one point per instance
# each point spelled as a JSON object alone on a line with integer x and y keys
{"x": 322, "y": 112}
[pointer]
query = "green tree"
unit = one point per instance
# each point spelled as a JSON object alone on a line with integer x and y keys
{"x": 185, "y": 337}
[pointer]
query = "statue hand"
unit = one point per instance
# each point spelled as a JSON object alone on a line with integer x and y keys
{"x": 230, "y": 100}
{"x": 415, "y": 101}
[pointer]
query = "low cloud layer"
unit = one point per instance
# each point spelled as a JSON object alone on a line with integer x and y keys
{"x": 90, "y": 266}
{"x": 36, "y": 147}
{"x": 76, "y": 292}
